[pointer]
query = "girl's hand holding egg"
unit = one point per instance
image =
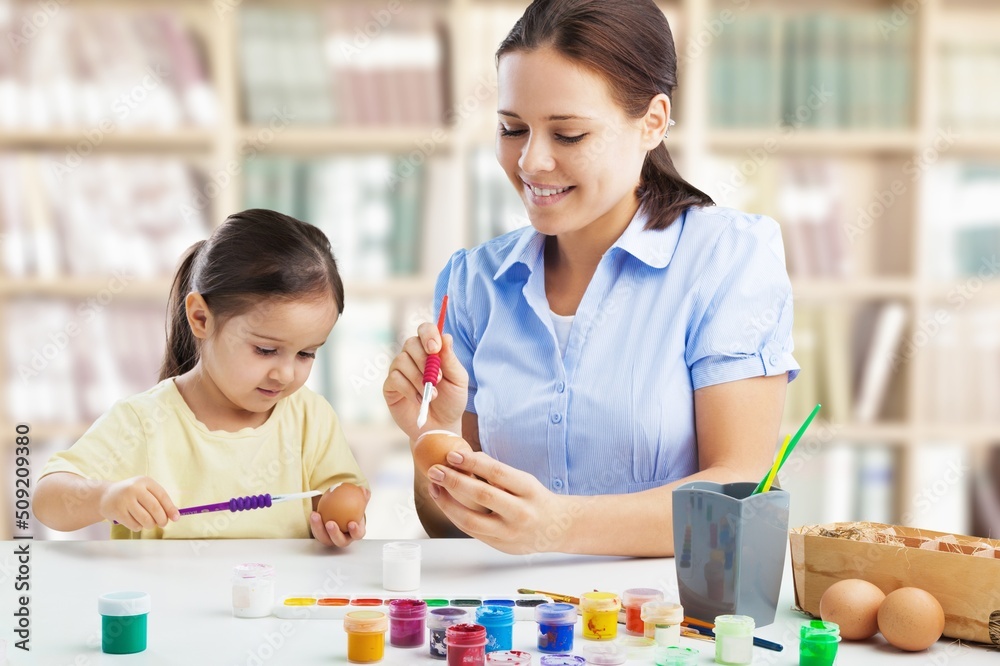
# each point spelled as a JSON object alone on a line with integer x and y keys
{"x": 339, "y": 518}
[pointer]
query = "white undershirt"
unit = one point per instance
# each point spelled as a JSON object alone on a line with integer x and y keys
{"x": 562, "y": 324}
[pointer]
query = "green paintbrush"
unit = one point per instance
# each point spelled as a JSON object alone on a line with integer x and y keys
{"x": 780, "y": 460}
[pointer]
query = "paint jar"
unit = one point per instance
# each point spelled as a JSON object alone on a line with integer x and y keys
{"x": 818, "y": 643}
{"x": 407, "y": 620}
{"x": 632, "y": 601}
{"x": 562, "y": 660}
{"x": 555, "y": 627}
{"x": 734, "y": 640}
{"x": 600, "y": 615}
{"x": 499, "y": 623}
{"x": 253, "y": 590}
{"x": 662, "y": 622}
{"x": 676, "y": 655}
{"x": 605, "y": 654}
{"x": 438, "y": 621}
{"x": 401, "y": 566}
{"x": 509, "y": 657}
{"x": 466, "y": 645}
{"x": 123, "y": 621}
{"x": 365, "y": 636}
{"x": 638, "y": 648}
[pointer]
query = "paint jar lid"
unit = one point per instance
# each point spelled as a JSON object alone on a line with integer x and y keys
{"x": 638, "y": 647}
{"x": 600, "y": 601}
{"x": 122, "y": 604}
{"x": 442, "y": 618}
{"x": 405, "y": 609}
{"x": 555, "y": 614}
{"x": 605, "y": 654}
{"x": 509, "y": 657}
{"x": 677, "y": 656}
{"x": 253, "y": 570}
{"x": 818, "y": 628}
{"x": 366, "y": 622}
{"x": 740, "y": 626}
{"x": 495, "y": 616}
{"x": 562, "y": 660}
{"x": 637, "y": 596}
{"x": 401, "y": 551}
{"x": 663, "y": 612}
{"x": 465, "y": 635}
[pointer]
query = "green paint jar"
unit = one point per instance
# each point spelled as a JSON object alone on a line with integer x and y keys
{"x": 818, "y": 643}
{"x": 123, "y": 621}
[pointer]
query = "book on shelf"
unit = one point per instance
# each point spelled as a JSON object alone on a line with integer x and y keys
{"x": 881, "y": 358}
{"x": 102, "y": 70}
{"x": 384, "y": 215}
{"x": 68, "y": 362}
{"x": 963, "y": 225}
{"x": 496, "y": 207}
{"x": 325, "y": 66}
{"x": 965, "y": 103}
{"x": 69, "y": 223}
{"x": 816, "y": 70}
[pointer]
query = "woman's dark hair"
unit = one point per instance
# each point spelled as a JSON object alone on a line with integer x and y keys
{"x": 254, "y": 255}
{"x": 628, "y": 43}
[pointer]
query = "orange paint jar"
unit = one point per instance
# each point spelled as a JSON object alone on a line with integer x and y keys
{"x": 365, "y": 636}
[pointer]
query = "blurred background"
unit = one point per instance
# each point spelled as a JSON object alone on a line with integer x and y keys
{"x": 869, "y": 130}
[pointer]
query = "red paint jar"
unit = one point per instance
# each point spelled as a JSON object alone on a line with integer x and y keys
{"x": 632, "y": 601}
{"x": 466, "y": 645}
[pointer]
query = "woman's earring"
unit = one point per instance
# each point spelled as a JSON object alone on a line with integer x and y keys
{"x": 670, "y": 122}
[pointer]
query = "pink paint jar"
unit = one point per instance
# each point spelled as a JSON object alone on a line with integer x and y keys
{"x": 466, "y": 645}
{"x": 407, "y": 622}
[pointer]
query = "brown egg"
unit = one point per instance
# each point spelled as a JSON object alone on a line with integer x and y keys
{"x": 911, "y": 619}
{"x": 432, "y": 447}
{"x": 853, "y": 604}
{"x": 342, "y": 504}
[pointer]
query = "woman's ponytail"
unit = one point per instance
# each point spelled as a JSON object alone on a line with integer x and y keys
{"x": 182, "y": 349}
{"x": 663, "y": 193}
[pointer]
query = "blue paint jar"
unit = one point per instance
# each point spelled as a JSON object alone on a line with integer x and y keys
{"x": 555, "y": 627}
{"x": 499, "y": 623}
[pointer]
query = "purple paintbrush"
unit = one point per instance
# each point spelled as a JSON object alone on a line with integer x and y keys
{"x": 247, "y": 503}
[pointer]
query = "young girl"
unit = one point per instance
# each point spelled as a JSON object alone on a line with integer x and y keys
{"x": 633, "y": 338}
{"x": 230, "y": 416}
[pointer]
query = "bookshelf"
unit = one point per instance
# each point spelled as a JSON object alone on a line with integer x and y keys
{"x": 889, "y": 260}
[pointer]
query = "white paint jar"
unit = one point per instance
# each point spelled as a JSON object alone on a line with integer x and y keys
{"x": 401, "y": 566}
{"x": 253, "y": 590}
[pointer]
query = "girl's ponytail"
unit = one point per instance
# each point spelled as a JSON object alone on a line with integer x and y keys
{"x": 663, "y": 193}
{"x": 182, "y": 350}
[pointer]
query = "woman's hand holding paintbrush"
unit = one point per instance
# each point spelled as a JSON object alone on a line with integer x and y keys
{"x": 404, "y": 387}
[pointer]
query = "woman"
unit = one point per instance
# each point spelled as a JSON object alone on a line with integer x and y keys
{"x": 633, "y": 338}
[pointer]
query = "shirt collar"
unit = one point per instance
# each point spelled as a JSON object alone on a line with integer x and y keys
{"x": 653, "y": 247}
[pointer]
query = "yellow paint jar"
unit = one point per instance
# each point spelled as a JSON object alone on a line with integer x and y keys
{"x": 365, "y": 636}
{"x": 600, "y": 615}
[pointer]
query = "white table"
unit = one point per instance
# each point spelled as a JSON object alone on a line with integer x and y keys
{"x": 191, "y": 620}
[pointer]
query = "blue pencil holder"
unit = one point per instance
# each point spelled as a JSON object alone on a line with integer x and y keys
{"x": 499, "y": 623}
{"x": 729, "y": 549}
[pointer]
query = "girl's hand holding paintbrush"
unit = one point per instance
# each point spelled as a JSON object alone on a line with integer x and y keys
{"x": 137, "y": 503}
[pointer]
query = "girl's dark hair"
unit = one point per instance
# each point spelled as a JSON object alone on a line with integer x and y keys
{"x": 254, "y": 255}
{"x": 628, "y": 43}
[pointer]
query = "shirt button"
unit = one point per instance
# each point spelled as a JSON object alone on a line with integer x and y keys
{"x": 561, "y": 386}
{"x": 557, "y": 484}
{"x": 774, "y": 359}
{"x": 557, "y": 418}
